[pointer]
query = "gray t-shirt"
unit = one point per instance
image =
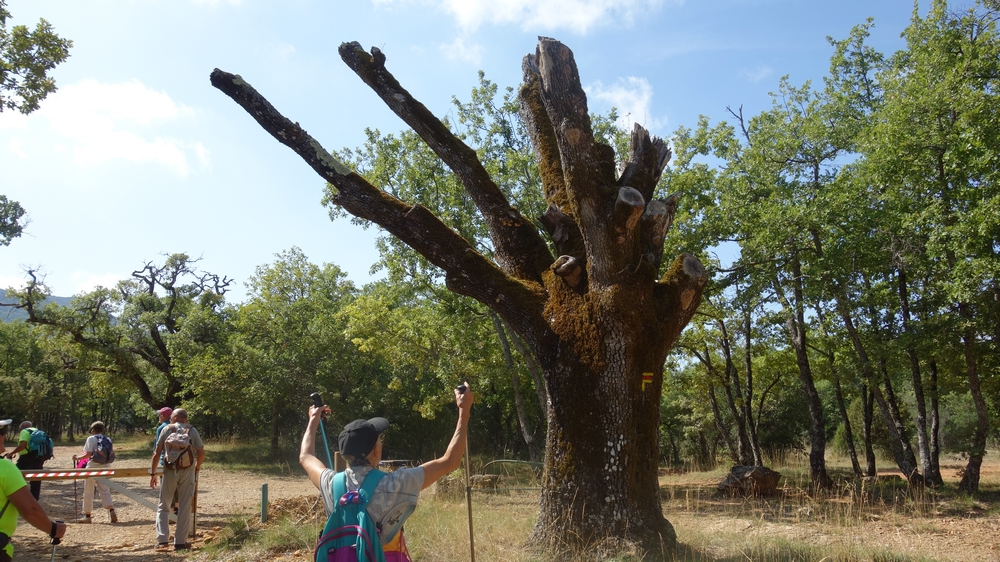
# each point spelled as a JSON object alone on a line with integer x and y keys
{"x": 196, "y": 441}
{"x": 394, "y": 499}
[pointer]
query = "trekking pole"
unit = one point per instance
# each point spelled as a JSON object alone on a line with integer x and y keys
{"x": 76, "y": 502}
{"x": 318, "y": 402}
{"x": 55, "y": 541}
{"x": 468, "y": 486}
{"x": 194, "y": 508}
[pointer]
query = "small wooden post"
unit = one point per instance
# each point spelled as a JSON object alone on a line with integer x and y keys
{"x": 263, "y": 503}
{"x": 339, "y": 464}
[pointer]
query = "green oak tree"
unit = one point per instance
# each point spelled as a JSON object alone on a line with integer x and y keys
{"x": 26, "y": 58}
{"x": 152, "y": 331}
{"x": 287, "y": 341}
{"x": 932, "y": 153}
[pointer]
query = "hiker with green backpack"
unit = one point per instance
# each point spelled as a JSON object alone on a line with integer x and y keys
{"x": 16, "y": 501}
{"x": 366, "y": 507}
{"x": 34, "y": 447}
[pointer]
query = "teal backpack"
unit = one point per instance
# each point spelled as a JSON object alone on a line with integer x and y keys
{"x": 40, "y": 444}
{"x": 350, "y": 535}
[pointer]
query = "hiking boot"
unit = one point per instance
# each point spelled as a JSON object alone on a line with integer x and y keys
{"x": 85, "y": 520}
{"x": 114, "y": 516}
{"x": 162, "y": 547}
{"x": 185, "y": 546}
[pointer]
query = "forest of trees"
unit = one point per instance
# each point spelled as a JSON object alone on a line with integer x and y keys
{"x": 855, "y": 308}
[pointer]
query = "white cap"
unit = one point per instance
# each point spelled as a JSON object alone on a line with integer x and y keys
{"x": 4, "y": 423}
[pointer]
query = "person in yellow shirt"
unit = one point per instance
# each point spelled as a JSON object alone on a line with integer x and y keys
{"x": 16, "y": 499}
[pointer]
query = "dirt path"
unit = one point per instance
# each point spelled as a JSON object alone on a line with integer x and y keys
{"x": 221, "y": 494}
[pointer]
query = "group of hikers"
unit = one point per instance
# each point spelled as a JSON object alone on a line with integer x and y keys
{"x": 365, "y": 507}
{"x": 178, "y": 448}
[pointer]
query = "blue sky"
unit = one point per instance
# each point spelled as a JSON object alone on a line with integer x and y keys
{"x": 137, "y": 155}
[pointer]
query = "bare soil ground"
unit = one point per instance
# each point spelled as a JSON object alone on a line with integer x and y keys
{"x": 221, "y": 494}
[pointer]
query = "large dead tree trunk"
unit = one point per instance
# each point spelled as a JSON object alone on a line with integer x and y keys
{"x": 599, "y": 318}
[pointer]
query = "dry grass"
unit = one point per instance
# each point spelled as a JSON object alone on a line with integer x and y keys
{"x": 882, "y": 523}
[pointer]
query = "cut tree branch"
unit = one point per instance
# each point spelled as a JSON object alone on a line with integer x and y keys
{"x": 588, "y": 167}
{"x": 647, "y": 159}
{"x": 656, "y": 222}
{"x": 519, "y": 249}
{"x": 678, "y": 294}
{"x": 467, "y": 271}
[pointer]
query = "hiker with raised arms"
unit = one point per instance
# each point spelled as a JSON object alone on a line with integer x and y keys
{"x": 392, "y": 498}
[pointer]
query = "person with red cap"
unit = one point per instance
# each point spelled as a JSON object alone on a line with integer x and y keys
{"x": 164, "y": 414}
{"x": 395, "y": 496}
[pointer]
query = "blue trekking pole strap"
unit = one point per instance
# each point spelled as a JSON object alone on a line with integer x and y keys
{"x": 329, "y": 460}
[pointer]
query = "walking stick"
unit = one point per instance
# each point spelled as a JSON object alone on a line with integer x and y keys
{"x": 55, "y": 541}
{"x": 468, "y": 486}
{"x": 76, "y": 502}
{"x": 318, "y": 402}
{"x": 194, "y": 507}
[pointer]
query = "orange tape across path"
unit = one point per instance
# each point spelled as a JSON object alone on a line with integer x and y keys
{"x": 108, "y": 473}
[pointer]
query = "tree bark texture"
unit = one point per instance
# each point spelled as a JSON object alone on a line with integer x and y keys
{"x": 736, "y": 401}
{"x": 971, "y": 474}
{"x": 794, "y": 313}
{"x": 902, "y": 452}
{"x": 848, "y": 434}
{"x": 923, "y": 443}
{"x": 527, "y": 432}
{"x": 932, "y": 390}
{"x": 868, "y": 414}
{"x": 599, "y": 317}
{"x": 758, "y": 456}
{"x": 734, "y": 456}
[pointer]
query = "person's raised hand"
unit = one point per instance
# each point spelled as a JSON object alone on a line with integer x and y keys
{"x": 464, "y": 396}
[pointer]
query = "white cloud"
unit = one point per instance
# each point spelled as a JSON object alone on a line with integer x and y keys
{"x": 282, "y": 51}
{"x": 12, "y": 282}
{"x": 576, "y": 15}
{"x": 10, "y": 120}
{"x": 633, "y": 97}
{"x": 757, "y": 74}
{"x": 459, "y": 50}
{"x": 202, "y": 153}
{"x": 217, "y": 2}
{"x": 16, "y": 147}
{"x": 103, "y": 122}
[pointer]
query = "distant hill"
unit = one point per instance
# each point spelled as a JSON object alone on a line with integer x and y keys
{"x": 10, "y": 314}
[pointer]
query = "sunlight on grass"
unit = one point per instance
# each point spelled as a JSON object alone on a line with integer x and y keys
{"x": 882, "y": 521}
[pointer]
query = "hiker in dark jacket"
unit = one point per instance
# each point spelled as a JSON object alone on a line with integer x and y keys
{"x": 28, "y": 459}
{"x": 395, "y": 497}
{"x": 16, "y": 500}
